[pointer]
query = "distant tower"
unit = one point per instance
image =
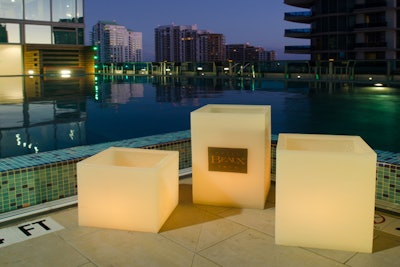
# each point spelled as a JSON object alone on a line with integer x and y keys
{"x": 187, "y": 43}
{"x": 211, "y": 47}
{"x": 267, "y": 55}
{"x": 136, "y": 46}
{"x": 115, "y": 43}
{"x": 242, "y": 53}
{"x": 175, "y": 43}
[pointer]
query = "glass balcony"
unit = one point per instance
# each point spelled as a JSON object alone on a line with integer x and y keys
{"x": 302, "y": 17}
{"x": 298, "y": 33}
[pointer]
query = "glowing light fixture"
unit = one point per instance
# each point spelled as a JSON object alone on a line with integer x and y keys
{"x": 31, "y": 72}
{"x": 325, "y": 192}
{"x": 128, "y": 188}
{"x": 378, "y": 84}
{"x": 231, "y": 155}
{"x": 65, "y": 73}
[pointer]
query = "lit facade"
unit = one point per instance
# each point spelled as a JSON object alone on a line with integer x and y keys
{"x": 44, "y": 36}
{"x": 115, "y": 43}
{"x": 242, "y": 53}
{"x": 177, "y": 43}
{"x": 346, "y": 29}
{"x": 136, "y": 46}
{"x": 211, "y": 47}
{"x": 267, "y": 55}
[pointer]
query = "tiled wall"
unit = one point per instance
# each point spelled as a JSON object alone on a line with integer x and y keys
{"x": 37, "y": 178}
{"x": 388, "y": 182}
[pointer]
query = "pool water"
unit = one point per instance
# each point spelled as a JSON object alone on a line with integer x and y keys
{"x": 38, "y": 114}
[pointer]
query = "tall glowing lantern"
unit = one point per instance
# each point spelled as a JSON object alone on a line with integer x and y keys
{"x": 231, "y": 146}
{"x": 325, "y": 192}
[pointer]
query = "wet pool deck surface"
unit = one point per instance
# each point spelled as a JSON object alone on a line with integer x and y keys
{"x": 194, "y": 235}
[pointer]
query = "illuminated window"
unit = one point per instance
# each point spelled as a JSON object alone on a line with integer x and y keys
{"x": 9, "y": 33}
{"x": 37, "y": 10}
{"x": 79, "y": 10}
{"x": 37, "y": 34}
{"x": 11, "y": 9}
{"x": 64, "y": 11}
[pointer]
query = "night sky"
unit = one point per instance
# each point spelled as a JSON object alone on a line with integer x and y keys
{"x": 257, "y": 22}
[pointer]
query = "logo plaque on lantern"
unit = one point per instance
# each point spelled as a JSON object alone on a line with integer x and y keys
{"x": 227, "y": 159}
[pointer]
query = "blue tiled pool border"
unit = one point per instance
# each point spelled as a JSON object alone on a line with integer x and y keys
{"x": 48, "y": 176}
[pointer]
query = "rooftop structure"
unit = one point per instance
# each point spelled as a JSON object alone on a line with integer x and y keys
{"x": 42, "y": 37}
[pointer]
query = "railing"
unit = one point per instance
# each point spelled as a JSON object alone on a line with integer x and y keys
{"x": 384, "y": 70}
{"x": 298, "y": 16}
{"x": 298, "y": 32}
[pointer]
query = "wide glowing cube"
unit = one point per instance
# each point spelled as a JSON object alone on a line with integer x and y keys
{"x": 231, "y": 147}
{"x": 325, "y": 192}
{"x": 128, "y": 188}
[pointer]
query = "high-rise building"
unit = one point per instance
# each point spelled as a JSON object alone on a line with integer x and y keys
{"x": 211, "y": 47}
{"x": 40, "y": 37}
{"x": 136, "y": 46}
{"x": 115, "y": 43}
{"x": 267, "y": 55}
{"x": 346, "y": 29}
{"x": 177, "y": 43}
{"x": 241, "y": 53}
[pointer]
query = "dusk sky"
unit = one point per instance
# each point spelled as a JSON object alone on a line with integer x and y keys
{"x": 258, "y": 22}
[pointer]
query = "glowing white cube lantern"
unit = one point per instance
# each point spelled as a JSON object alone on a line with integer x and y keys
{"x": 128, "y": 188}
{"x": 325, "y": 192}
{"x": 231, "y": 155}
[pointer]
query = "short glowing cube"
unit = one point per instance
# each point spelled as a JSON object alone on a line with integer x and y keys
{"x": 231, "y": 155}
{"x": 128, "y": 188}
{"x": 325, "y": 192}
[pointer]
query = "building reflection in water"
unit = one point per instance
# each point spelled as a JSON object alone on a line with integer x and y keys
{"x": 38, "y": 114}
{"x": 42, "y": 114}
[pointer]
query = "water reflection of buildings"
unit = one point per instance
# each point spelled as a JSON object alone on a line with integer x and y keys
{"x": 41, "y": 115}
{"x": 121, "y": 93}
{"x": 186, "y": 90}
{"x": 110, "y": 90}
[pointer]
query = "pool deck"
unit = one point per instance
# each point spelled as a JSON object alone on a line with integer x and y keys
{"x": 194, "y": 235}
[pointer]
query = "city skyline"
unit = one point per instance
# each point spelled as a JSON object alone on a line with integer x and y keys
{"x": 238, "y": 22}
